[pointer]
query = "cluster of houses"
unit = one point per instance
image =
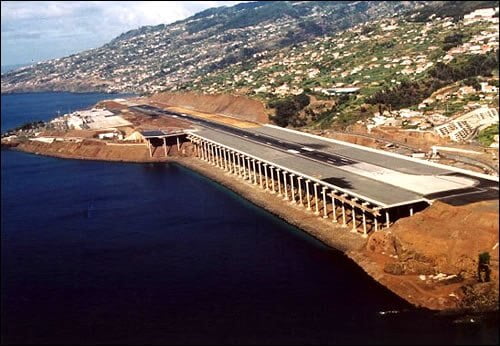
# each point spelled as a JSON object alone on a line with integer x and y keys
{"x": 465, "y": 126}
{"x": 483, "y": 14}
{"x": 158, "y": 60}
{"x": 284, "y": 73}
{"x": 458, "y": 129}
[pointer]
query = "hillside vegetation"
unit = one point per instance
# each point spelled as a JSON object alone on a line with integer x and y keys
{"x": 287, "y": 53}
{"x": 164, "y": 57}
{"x": 396, "y": 62}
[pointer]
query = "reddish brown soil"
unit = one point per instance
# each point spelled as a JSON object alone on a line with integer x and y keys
{"x": 238, "y": 107}
{"x": 70, "y": 133}
{"x": 97, "y": 150}
{"x": 144, "y": 122}
{"x": 440, "y": 239}
{"x": 111, "y": 105}
{"x": 422, "y": 140}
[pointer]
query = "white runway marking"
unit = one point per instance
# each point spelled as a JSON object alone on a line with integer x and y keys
{"x": 422, "y": 184}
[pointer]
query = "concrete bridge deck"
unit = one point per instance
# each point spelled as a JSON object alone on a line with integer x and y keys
{"x": 384, "y": 194}
{"x": 348, "y": 165}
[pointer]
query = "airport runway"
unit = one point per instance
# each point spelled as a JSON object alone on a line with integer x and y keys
{"x": 385, "y": 178}
{"x": 265, "y": 139}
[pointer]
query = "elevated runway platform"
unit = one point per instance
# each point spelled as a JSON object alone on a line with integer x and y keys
{"x": 365, "y": 179}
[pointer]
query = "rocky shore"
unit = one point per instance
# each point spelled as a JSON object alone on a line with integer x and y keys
{"x": 440, "y": 277}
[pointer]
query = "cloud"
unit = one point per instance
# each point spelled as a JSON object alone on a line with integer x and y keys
{"x": 82, "y": 24}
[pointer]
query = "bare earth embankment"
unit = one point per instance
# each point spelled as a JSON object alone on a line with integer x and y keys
{"x": 431, "y": 259}
{"x": 95, "y": 150}
{"x": 238, "y": 107}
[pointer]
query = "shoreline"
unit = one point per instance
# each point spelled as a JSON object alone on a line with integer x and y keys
{"x": 352, "y": 245}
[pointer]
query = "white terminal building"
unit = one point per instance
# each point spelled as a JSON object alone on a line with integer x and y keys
{"x": 93, "y": 119}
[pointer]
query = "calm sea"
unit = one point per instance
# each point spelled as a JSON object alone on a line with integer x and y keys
{"x": 97, "y": 252}
{"x": 18, "y": 109}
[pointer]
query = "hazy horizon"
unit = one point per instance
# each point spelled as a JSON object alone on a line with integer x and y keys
{"x": 39, "y": 31}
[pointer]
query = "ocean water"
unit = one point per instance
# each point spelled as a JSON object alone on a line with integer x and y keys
{"x": 99, "y": 252}
{"x": 18, "y": 109}
{"x": 7, "y": 68}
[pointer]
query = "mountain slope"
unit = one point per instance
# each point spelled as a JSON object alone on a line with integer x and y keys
{"x": 395, "y": 62}
{"x": 163, "y": 57}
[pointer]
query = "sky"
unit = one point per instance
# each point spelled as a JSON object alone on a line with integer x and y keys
{"x": 35, "y": 31}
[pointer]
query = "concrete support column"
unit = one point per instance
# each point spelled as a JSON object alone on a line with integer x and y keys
{"x": 221, "y": 158}
{"x": 239, "y": 165}
{"x": 279, "y": 181}
{"x": 387, "y": 219}
{"x": 272, "y": 179}
{"x": 230, "y": 154}
{"x": 411, "y": 211}
{"x": 254, "y": 172}
{"x": 265, "y": 173}
{"x": 224, "y": 159}
{"x": 195, "y": 149}
{"x": 333, "y": 207}
{"x": 353, "y": 218}
{"x": 249, "y": 170}
{"x": 216, "y": 157}
{"x": 149, "y": 147}
{"x": 308, "y": 195}
{"x": 249, "y": 162}
{"x": 165, "y": 146}
{"x": 365, "y": 233}
{"x": 375, "y": 220}
{"x": 227, "y": 160}
{"x": 178, "y": 144}
{"x": 235, "y": 163}
{"x": 344, "y": 223}
{"x": 300, "y": 190}
{"x": 204, "y": 151}
{"x": 260, "y": 175}
{"x": 285, "y": 186}
{"x": 353, "y": 215}
{"x": 242, "y": 166}
{"x": 218, "y": 161}
{"x": 212, "y": 150}
{"x": 325, "y": 211}
{"x": 292, "y": 189}
{"x": 316, "y": 198}
{"x": 364, "y": 225}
